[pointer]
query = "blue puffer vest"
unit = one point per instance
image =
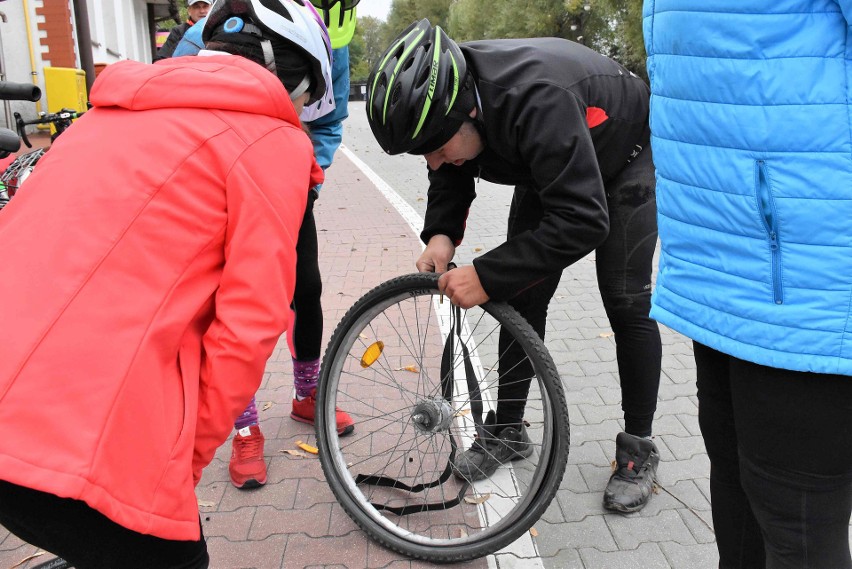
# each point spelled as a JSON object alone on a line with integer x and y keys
{"x": 752, "y": 136}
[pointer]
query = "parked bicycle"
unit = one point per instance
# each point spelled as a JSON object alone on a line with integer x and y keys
{"x": 9, "y": 91}
{"x": 19, "y": 170}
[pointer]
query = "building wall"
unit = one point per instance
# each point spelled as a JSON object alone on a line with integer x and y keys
{"x": 21, "y": 64}
{"x": 55, "y": 24}
{"x": 118, "y": 29}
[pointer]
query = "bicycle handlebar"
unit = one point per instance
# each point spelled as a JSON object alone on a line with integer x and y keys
{"x": 10, "y": 91}
{"x": 61, "y": 120}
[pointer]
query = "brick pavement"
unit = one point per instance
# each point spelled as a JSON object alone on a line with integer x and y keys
{"x": 294, "y": 521}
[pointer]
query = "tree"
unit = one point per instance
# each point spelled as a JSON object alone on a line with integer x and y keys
{"x": 405, "y": 12}
{"x": 366, "y": 47}
{"x": 626, "y": 44}
{"x": 611, "y": 27}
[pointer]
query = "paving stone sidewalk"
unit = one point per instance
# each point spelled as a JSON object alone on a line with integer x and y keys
{"x": 294, "y": 522}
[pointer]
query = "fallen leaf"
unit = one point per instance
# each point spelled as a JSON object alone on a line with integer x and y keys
{"x": 420, "y": 199}
{"x": 477, "y": 499}
{"x": 412, "y": 368}
{"x": 267, "y": 405}
{"x": 206, "y": 504}
{"x": 607, "y": 334}
{"x": 307, "y": 448}
{"x": 613, "y": 465}
{"x": 291, "y": 452}
{"x": 463, "y": 412}
{"x": 25, "y": 559}
{"x": 533, "y": 532}
{"x": 477, "y": 249}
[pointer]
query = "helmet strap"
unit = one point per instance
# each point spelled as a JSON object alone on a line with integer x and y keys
{"x": 268, "y": 55}
{"x": 300, "y": 88}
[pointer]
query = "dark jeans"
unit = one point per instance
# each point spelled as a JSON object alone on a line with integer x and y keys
{"x": 86, "y": 538}
{"x": 624, "y": 265}
{"x": 780, "y": 448}
{"x": 306, "y": 336}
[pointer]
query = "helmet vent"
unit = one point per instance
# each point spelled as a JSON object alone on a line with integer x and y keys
{"x": 398, "y": 53}
{"x": 396, "y": 94}
{"x": 423, "y": 78}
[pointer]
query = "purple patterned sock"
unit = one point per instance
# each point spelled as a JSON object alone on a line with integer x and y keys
{"x": 248, "y": 418}
{"x": 305, "y": 376}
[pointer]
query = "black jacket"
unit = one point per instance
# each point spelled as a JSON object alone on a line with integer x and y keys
{"x": 175, "y": 35}
{"x": 541, "y": 100}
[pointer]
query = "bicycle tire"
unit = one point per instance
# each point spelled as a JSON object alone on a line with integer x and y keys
{"x": 383, "y": 398}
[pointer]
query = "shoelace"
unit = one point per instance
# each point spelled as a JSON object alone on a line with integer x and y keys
{"x": 248, "y": 446}
{"x": 628, "y": 472}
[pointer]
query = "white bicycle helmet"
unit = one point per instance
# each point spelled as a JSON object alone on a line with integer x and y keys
{"x": 297, "y": 23}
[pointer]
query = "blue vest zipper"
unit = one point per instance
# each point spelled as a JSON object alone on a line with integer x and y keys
{"x": 770, "y": 224}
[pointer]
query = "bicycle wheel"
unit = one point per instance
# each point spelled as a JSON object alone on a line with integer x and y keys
{"x": 415, "y": 398}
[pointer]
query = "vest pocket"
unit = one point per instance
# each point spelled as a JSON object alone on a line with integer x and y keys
{"x": 769, "y": 217}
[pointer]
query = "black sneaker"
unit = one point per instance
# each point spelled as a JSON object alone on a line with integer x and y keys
{"x": 631, "y": 485}
{"x": 490, "y": 451}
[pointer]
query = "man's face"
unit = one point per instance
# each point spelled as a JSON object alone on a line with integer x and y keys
{"x": 465, "y": 145}
{"x": 198, "y": 10}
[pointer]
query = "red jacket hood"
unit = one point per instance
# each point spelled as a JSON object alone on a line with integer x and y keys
{"x": 148, "y": 275}
{"x": 225, "y": 82}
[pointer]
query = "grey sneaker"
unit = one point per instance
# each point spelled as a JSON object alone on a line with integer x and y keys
{"x": 631, "y": 485}
{"x": 489, "y": 452}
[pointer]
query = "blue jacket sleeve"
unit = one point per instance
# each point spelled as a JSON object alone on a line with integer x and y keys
{"x": 191, "y": 43}
{"x": 327, "y": 131}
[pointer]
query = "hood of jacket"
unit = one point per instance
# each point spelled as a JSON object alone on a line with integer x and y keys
{"x": 224, "y": 82}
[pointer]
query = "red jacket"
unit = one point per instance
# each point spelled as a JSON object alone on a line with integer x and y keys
{"x": 147, "y": 268}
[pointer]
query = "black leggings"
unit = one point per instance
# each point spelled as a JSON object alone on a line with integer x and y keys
{"x": 624, "y": 265}
{"x": 780, "y": 448}
{"x": 86, "y": 538}
{"x": 306, "y": 333}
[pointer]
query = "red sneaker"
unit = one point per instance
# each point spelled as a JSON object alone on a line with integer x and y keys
{"x": 303, "y": 411}
{"x": 248, "y": 467}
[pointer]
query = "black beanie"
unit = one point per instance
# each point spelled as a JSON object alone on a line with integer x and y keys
{"x": 291, "y": 67}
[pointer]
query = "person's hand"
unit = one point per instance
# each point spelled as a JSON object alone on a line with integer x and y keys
{"x": 462, "y": 287}
{"x": 438, "y": 253}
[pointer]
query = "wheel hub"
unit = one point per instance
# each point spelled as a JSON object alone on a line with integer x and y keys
{"x": 432, "y": 415}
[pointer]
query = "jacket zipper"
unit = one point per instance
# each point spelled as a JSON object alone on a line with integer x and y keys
{"x": 770, "y": 224}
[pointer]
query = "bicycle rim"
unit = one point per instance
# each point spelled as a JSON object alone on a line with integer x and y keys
{"x": 383, "y": 366}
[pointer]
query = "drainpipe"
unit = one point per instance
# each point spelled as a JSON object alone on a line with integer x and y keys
{"x": 33, "y": 71}
{"x": 84, "y": 42}
{"x": 7, "y": 107}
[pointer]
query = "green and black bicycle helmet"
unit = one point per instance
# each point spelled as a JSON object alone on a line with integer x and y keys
{"x": 420, "y": 92}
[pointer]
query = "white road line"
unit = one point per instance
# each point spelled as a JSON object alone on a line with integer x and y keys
{"x": 406, "y": 211}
